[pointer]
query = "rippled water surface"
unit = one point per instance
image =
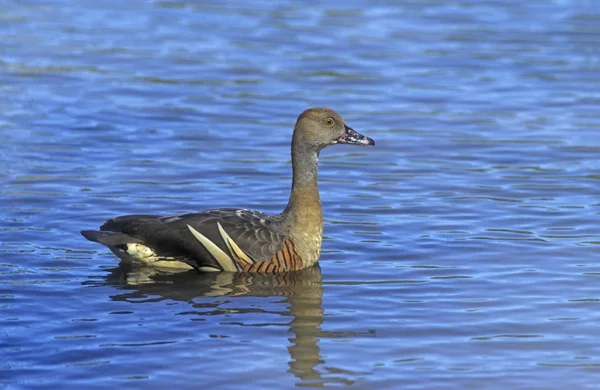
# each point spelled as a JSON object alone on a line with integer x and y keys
{"x": 461, "y": 252}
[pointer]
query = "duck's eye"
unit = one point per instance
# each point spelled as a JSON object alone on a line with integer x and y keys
{"x": 329, "y": 122}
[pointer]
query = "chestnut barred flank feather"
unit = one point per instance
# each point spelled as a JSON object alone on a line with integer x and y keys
{"x": 236, "y": 240}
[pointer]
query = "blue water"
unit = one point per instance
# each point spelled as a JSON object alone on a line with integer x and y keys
{"x": 461, "y": 252}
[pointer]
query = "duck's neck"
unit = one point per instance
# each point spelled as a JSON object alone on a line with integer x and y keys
{"x": 303, "y": 213}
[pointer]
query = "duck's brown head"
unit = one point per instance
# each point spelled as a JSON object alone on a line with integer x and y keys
{"x": 321, "y": 127}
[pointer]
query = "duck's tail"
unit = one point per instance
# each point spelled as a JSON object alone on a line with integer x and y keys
{"x": 110, "y": 239}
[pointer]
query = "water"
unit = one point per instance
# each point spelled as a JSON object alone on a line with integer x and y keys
{"x": 460, "y": 252}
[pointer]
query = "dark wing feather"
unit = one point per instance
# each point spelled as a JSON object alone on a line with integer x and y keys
{"x": 256, "y": 234}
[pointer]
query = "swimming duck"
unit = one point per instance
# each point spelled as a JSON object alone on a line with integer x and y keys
{"x": 238, "y": 240}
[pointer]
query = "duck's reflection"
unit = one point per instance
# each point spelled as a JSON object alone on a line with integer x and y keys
{"x": 302, "y": 291}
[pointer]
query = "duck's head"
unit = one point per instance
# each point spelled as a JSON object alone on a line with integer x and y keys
{"x": 321, "y": 127}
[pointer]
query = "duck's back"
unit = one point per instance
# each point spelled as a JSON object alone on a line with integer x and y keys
{"x": 213, "y": 240}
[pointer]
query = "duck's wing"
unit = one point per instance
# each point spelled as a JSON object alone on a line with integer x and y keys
{"x": 213, "y": 240}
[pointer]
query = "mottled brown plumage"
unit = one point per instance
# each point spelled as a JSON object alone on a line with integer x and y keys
{"x": 241, "y": 240}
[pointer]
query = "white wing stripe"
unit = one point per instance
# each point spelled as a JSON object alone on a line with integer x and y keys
{"x": 233, "y": 247}
{"x": 224, "y": 260}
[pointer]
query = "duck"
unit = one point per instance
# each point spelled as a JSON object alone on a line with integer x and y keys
{"x": 240, "y": 240}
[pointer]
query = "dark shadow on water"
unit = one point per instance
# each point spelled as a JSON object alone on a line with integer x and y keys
{"x": 302, "y": 292}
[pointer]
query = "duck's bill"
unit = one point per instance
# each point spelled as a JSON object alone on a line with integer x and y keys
{"x": 352, "y": 137}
